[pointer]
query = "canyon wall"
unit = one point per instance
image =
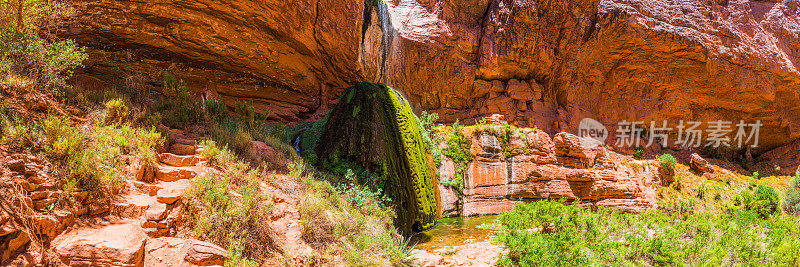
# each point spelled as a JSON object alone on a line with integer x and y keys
{"x": 513, "y": 165}
{"x": 542, "y": 63}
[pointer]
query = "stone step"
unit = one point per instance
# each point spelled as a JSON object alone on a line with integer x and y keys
{"x": 181, "y": 149}
{"x": 132, "y": 206}
{"x": 128, "y": 210}
{"x": 185, "y": 141}
{"x": 168, "y": 196}
{"x": 157, "y": 212}
{"x": 171, "y": 174}
{"x": 177, "y": 160}
{"x": 110, "y": 244}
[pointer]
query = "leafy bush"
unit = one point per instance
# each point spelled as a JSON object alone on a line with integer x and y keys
{"x": 639, "y": 153}
{"x": 116, "y": 111}
{"x": 6, "y": 116}
{"x": 458, "y": 145}
{"x": 19, "y": 135}
{"x": 349, "y": 222}
{"x": 178, "y": 109}
{"x": 550, "y": 233}
{"x": 65, "y": 138}
{"x": 252, "y": 120}
{"x": 764, "y": 201}
{"x": 48, "y": 62}
{"x": 235, "y": 222}
{"x": 792, "y": 204}
{"x": 92, "y": 156}
{"x": 668, "y": 162}
{"x": 216, "y": 111}
{"x": 233, "y": 135}
{"x": 458, "y": 150}
{"x": 426, "y": 122}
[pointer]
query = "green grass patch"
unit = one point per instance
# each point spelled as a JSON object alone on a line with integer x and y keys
{"x": 550, "y": 233}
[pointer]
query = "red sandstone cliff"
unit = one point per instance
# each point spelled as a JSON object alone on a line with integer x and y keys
{"x": 544, "y": 63}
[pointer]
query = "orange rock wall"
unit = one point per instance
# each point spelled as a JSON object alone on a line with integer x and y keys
{"x": 543, "y": 63}
{"x": 541, "y": 167}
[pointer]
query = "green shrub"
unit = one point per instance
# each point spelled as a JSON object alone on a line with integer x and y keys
{"x": 253, "y": 121}
{"x": 216, "y": 111}
{"x": 426, "y": 122}
{"x": 18, "y": 135}
{"x": 351, "y": 222}
{"x": 639, "y": 153}
{"x": 210, "y": 150}
{"x": 178, "y": 108}
{"x": 550, "y": 233}
{"x": 116, "y": 111}
{"x": 47, "y": 62}
{"x": 6, "y": 116}
{"x": 65, "y": 138}
{"x": 458, "y": 145}
{"x": 232, "y": 135}
{"x": 238, "y": 223}
{"x": 763, "y": 201}
{"x": 668, "y": 162}
{"x": 792, "y": 204}
{"x": 92, "y": 156}
{"x": 458, "y": 150}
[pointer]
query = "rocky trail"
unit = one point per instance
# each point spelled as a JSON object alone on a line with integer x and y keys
{"x": 140, "y": 227}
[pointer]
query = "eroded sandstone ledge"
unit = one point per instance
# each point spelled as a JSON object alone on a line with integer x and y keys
{"x": 527, "y": 164}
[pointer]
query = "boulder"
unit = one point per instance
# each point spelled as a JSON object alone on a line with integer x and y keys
{"x": 156, "y": 212}
{"x": 522, "y": 90}
{"x": 548, "y": 169}
{"x": 170, "y": 251}
{"x": 204, "y": 253}
{"x": 262, "y": 151}
{"x": 120, "y": 244}
{"x": 17, "y": 165}
{"x": 14, "y": 242}
{"x": 47, "y": 225}
{"x": 699, "y": 164}
{"x": 496, "y": 119}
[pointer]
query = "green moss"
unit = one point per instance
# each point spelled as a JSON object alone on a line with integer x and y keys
{"x": 373, "y": 131}
{"x": 458, "y": 150}
{"x": 415, "y": 153}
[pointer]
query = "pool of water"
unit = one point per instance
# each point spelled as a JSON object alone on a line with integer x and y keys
{"x": 454, "y": 231}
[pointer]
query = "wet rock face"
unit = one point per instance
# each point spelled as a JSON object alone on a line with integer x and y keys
{"x": 373, "y": 132}
{"x": 543, "y": 63}
{"x": 541, "y": 167}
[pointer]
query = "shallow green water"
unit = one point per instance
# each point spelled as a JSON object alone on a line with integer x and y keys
{"x": 454, "y": 232}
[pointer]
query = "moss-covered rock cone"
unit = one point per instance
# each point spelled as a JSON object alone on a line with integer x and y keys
{"x": 373, "y": 130}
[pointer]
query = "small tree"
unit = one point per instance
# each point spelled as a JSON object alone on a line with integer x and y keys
{"x": 29, "y": 47}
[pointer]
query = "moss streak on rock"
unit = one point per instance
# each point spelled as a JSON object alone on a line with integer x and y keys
{"x": 373, "y": 128}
